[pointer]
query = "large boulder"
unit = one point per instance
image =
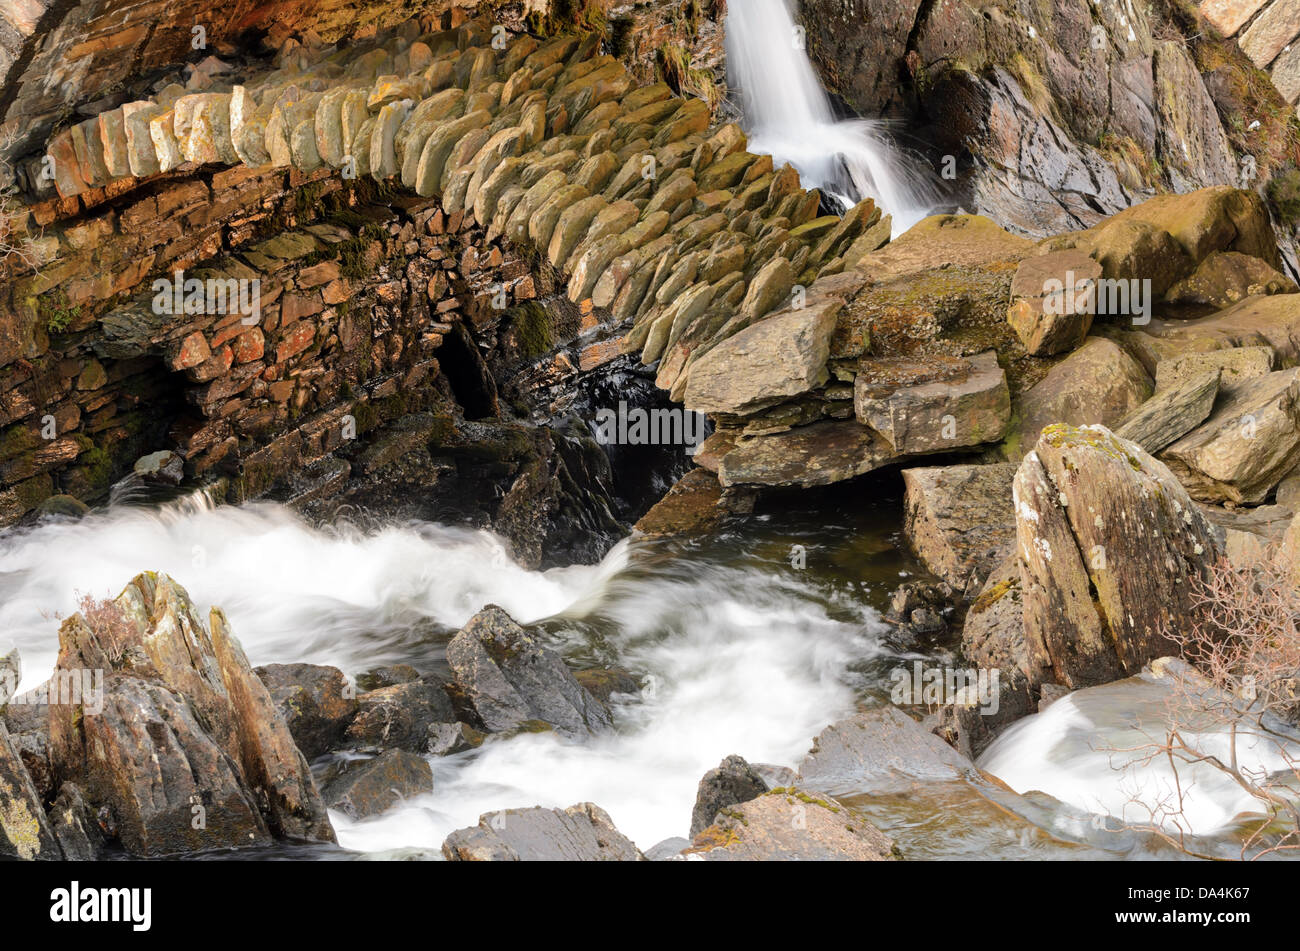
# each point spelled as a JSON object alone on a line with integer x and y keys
{"x": 581, "y": 833}
{"x": 1053, "y": 299}
{"x": 1109, "y": 544}
{"x": 1221, "y": 218}
{"x": 792, "y": 825}
{"x": 183, "y": 745}
{"x": 1098, "y": 383}
{"x": 1245, "y": 448}
{"x": 317, "y": 704}
{"x": 958, "y": 519}
{"x": 510, "y": 680}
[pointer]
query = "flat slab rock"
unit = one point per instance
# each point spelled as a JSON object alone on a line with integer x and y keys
{"x": 792, "y": 825}
{"x": 581, "y": 833}
{"x": 883, "y": 749}
{"x": 1247, "y": 446}
{"x": 946, "y": 407}
{"x": 818, "y": 454}
{"x": 781, "y": 356}
{"x": 690, "y": 506}
{"x": 958, "y": 519}
{"x": 1172, "y": 412}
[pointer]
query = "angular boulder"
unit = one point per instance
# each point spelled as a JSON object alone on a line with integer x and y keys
{"x": 510, "y": 679}
{"x": 1109, "y": 543}
{"x": 817, "y": 454}
{"x": 1171, "y": 413}
{"x": 1098, "y": 383}
{"x": 1245, "y": 448}
{"x": 958, "y": 520}
{"x": 792, "y": 825}
{"x": 781, "y": 356}
{"x": 733, "y": 781}
{"x": 184, "y": 744}
{"x": 1053, "y": 299}
{"x": 400, "y": 717}
{"x": 364, "y": 788}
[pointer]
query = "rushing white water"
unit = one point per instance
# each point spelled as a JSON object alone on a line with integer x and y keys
{"x": 1094, "y": 749}
{"x": 788, "y": 115}
{"x": 736, "y": 660}
{"x": 294, "y": 593}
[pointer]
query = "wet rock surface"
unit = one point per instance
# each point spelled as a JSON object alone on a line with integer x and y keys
{"x": 731, "y": 783}
{"x": 509, "y": 679}
{"x": 185, "y": 749}
{"x": 317, "y": 703}
{"x": 363, "y": 788}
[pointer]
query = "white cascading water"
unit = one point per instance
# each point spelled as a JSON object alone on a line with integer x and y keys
{"x": 788, "y": 115}
{"x": 740, "y": 661}
{"x": 1094, "y": 749}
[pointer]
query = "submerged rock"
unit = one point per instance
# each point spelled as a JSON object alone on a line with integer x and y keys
{"x": 880, "y": 750}
{"x": 509, "y": 679}
{"x": 581, "y": 833}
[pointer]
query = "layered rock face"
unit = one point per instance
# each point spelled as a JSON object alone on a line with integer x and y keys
{"x": 1064, "y": 112}
{"x": 179, "y": 740}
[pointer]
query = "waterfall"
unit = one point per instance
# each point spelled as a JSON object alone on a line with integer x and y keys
{"x": 788, "y": 115}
